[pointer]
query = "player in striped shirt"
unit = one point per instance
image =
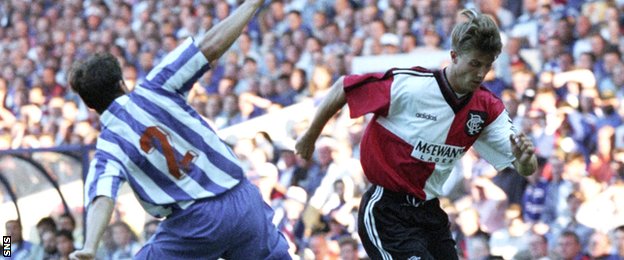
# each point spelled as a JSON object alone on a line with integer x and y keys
{"x": 175, "y": 163}
{"x": 424, "y": 121}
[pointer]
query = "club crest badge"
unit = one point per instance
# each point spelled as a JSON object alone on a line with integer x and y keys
{"x": 475, "y": 122}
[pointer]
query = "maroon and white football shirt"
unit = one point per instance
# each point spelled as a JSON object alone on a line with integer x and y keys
{"x": 420, "y": 128}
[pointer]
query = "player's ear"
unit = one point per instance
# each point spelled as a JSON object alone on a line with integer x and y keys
{"x": 124, "y": 87}
{"x": 454, "y": 56}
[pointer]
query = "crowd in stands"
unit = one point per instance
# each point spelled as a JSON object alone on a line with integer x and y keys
{"x": 560, "y": 75}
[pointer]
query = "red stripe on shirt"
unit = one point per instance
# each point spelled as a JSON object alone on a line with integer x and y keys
{"x": 368, "y": 93}
{"x": 483, "y": 101}
{"x": 387, "y": 161}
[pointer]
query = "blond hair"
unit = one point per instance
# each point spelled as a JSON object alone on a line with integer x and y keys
{"x": 476, "y": 32}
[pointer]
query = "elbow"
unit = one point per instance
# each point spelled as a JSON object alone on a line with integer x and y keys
{"x": 211, "y": 50}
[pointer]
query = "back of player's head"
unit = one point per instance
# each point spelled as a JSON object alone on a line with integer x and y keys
{"x": 476, "y": 31}
{"x": 97, "y": 80}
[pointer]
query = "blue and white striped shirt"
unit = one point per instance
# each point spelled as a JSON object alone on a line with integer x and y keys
{"x": 153, "y": 139}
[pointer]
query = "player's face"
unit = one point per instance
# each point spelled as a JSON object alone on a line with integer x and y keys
{"x": 469, "y": 70}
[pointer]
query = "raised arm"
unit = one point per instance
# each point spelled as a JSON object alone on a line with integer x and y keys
{"x": 334, "y": 101}
{"x": 219, "y": 38}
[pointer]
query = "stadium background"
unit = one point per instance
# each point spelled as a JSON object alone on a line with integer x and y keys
{"x": 560, "y": 75}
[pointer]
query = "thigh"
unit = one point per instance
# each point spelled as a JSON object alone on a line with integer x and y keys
{"x": 236, "y": 225}
{"x": 387, "y": 233}
{"x": 441, "y": 245}
{"x": 256, "y": 237}
{"x": 165, "y": 245}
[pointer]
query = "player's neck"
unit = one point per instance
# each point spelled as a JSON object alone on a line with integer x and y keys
{"x": 448, "y": 76}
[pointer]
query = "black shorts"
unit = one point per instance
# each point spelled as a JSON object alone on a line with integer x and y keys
{"x": 400, "y": 226}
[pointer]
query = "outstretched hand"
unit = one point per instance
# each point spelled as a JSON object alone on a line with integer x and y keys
{"x": 523, "y": 150}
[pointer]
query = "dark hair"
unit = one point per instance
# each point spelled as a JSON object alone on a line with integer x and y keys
{"x": 572, "y": 234}
{"x": 295, "y": 12}
{"x": 65, "y": 233}
{"x": 47, "y": 223}
{"x": 613, "y": 49}
{"x": 591, "y": 56}
{"x": 97, "y": 80}
{"x": 70, "y": 217}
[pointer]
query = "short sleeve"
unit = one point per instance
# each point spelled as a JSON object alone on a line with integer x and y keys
{"x": 493, "y": 144}
{"x": 368, "y": 93}
{"x": 104, "y": 179}
{"x": 179, "y": 70}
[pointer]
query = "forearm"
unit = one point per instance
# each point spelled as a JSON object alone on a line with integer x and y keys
{"x": 257, "y": 101}
{"x": 526, "y": 169}
{"x": 334, "y": 101}
{"x": 98, "y": 218}
{"x": 219, "y": 38}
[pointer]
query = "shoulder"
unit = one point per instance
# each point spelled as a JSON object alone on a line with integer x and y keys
{"x": 413, "y": 71}
{"x": 484, "y": 96}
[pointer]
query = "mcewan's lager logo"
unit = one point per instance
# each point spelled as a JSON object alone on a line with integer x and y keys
{"x": 475, "y": 122}
{"x": 436, "y": 153}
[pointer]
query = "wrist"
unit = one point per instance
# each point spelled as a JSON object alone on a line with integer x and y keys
{"x": 528, "y": 167}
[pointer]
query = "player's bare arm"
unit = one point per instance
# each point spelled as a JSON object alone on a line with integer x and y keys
{"x": 334, "y": 101}
{"x": 524, "y": 151}
{"x": 99, "y": 214}
{"x": 219, "y": 38}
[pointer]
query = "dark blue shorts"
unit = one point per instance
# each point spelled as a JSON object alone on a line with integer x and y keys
{"x": 234, "y": 225}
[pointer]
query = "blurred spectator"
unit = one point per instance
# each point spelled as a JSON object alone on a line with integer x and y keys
{"x": 569, "y": 247}
{"x": 390, "y": 44}
{"x": 490, "y": 202}
{"x": 471, "y": 240}
{"x": 568, "y": 223}
{"x": 558, "y": 190}
{"x": 64, "y": 244}
{"x": 149, "y": 229}
{"x": 509, "y": 241}
{"x": 292, "y": 51}
{"x": 321, "y": 248}
{"x": 534, "y": 197}
{"x": 599, "y": 247}
{"x": 46, "y": 224}
{"x": 320, "y": 166}
{"x": 107, "y": 245}
{"x": 538, "y": 248}
{"x": 287, "y": 217}
{"x": 290, "y": 173}
{"x": 48, "y": 243}
{"x": 618, "y": 241}
{"x": 494, "y": 84}
{"x": 348, "y": 248}
{"x": 20, "y": 248}
{"x": 67, "y": 222}
{"x": 125, "y": 241}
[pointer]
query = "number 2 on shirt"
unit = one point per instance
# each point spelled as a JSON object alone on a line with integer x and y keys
{"x": 147, "y": 145}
